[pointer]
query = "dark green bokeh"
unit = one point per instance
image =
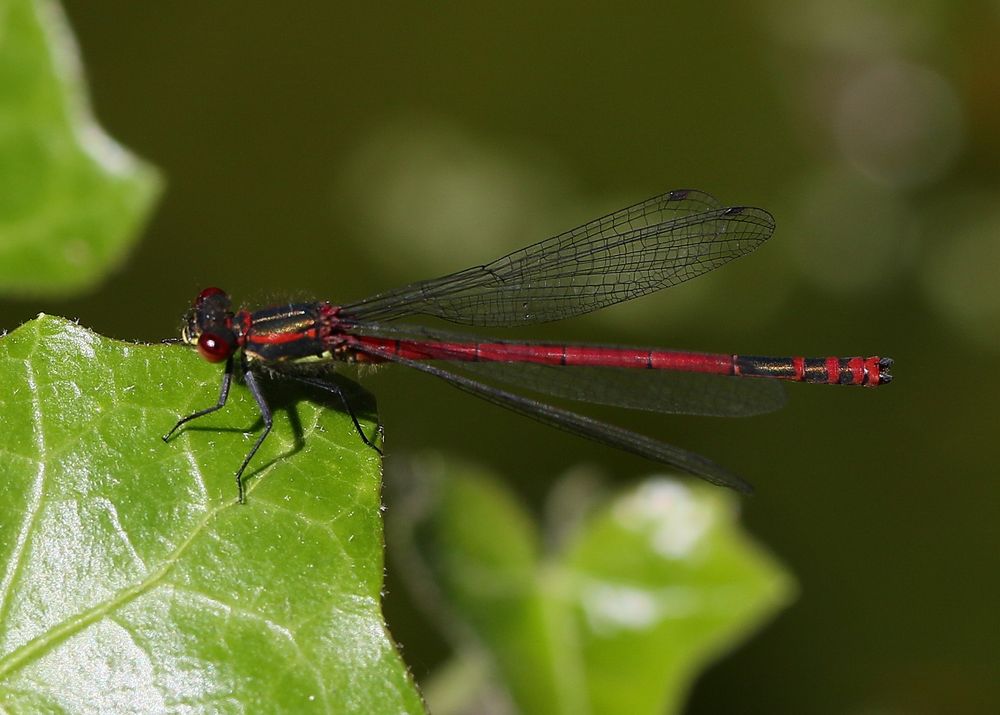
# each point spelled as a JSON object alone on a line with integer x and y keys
{"x": 323, "y": 152}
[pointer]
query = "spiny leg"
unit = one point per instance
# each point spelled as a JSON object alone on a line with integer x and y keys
{"x": 227, "y": 378}
{"x": 265, "y": 413}
{"x": 335, "y": 389}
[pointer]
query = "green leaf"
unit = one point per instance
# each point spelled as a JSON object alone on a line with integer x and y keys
{"x": 621, "y": 617}
{"x": 71, "y": 199}
{"x": 130, "y": 579}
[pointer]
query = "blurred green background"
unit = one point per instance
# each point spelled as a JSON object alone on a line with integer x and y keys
{"x": 336, "y": 150}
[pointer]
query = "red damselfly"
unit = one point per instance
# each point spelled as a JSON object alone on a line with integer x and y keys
{"x": 640, "y": 249}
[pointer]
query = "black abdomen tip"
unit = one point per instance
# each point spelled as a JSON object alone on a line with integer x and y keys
{"x": 884, "y": 365}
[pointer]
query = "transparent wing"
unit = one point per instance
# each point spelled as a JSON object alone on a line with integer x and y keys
{"x": 655, "y": 244}
{"x": 682, "y": 393}
{"x": 665, "y": 391}
{"x": 574, "y": 423}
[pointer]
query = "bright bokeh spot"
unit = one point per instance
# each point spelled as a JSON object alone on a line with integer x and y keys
{"x": 899, "y": 124}
{"x": 851, "y": 27}
{"x": 439, "y": 200}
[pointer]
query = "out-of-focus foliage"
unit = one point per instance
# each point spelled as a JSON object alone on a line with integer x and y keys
{"x": 71, "y": 200}
{"x": 619, "y": 617}
{"x": 131, "y": 580}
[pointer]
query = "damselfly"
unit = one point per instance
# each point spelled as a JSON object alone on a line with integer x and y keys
{"x": 655, "y": 244}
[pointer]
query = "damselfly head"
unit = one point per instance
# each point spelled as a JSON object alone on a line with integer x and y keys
{"x": 209, "y": 325}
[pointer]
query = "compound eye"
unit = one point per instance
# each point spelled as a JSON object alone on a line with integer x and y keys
{"x": 209, "y": 292}
{"x": 212, "y": 300}
{"x": 216, "y": 347}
